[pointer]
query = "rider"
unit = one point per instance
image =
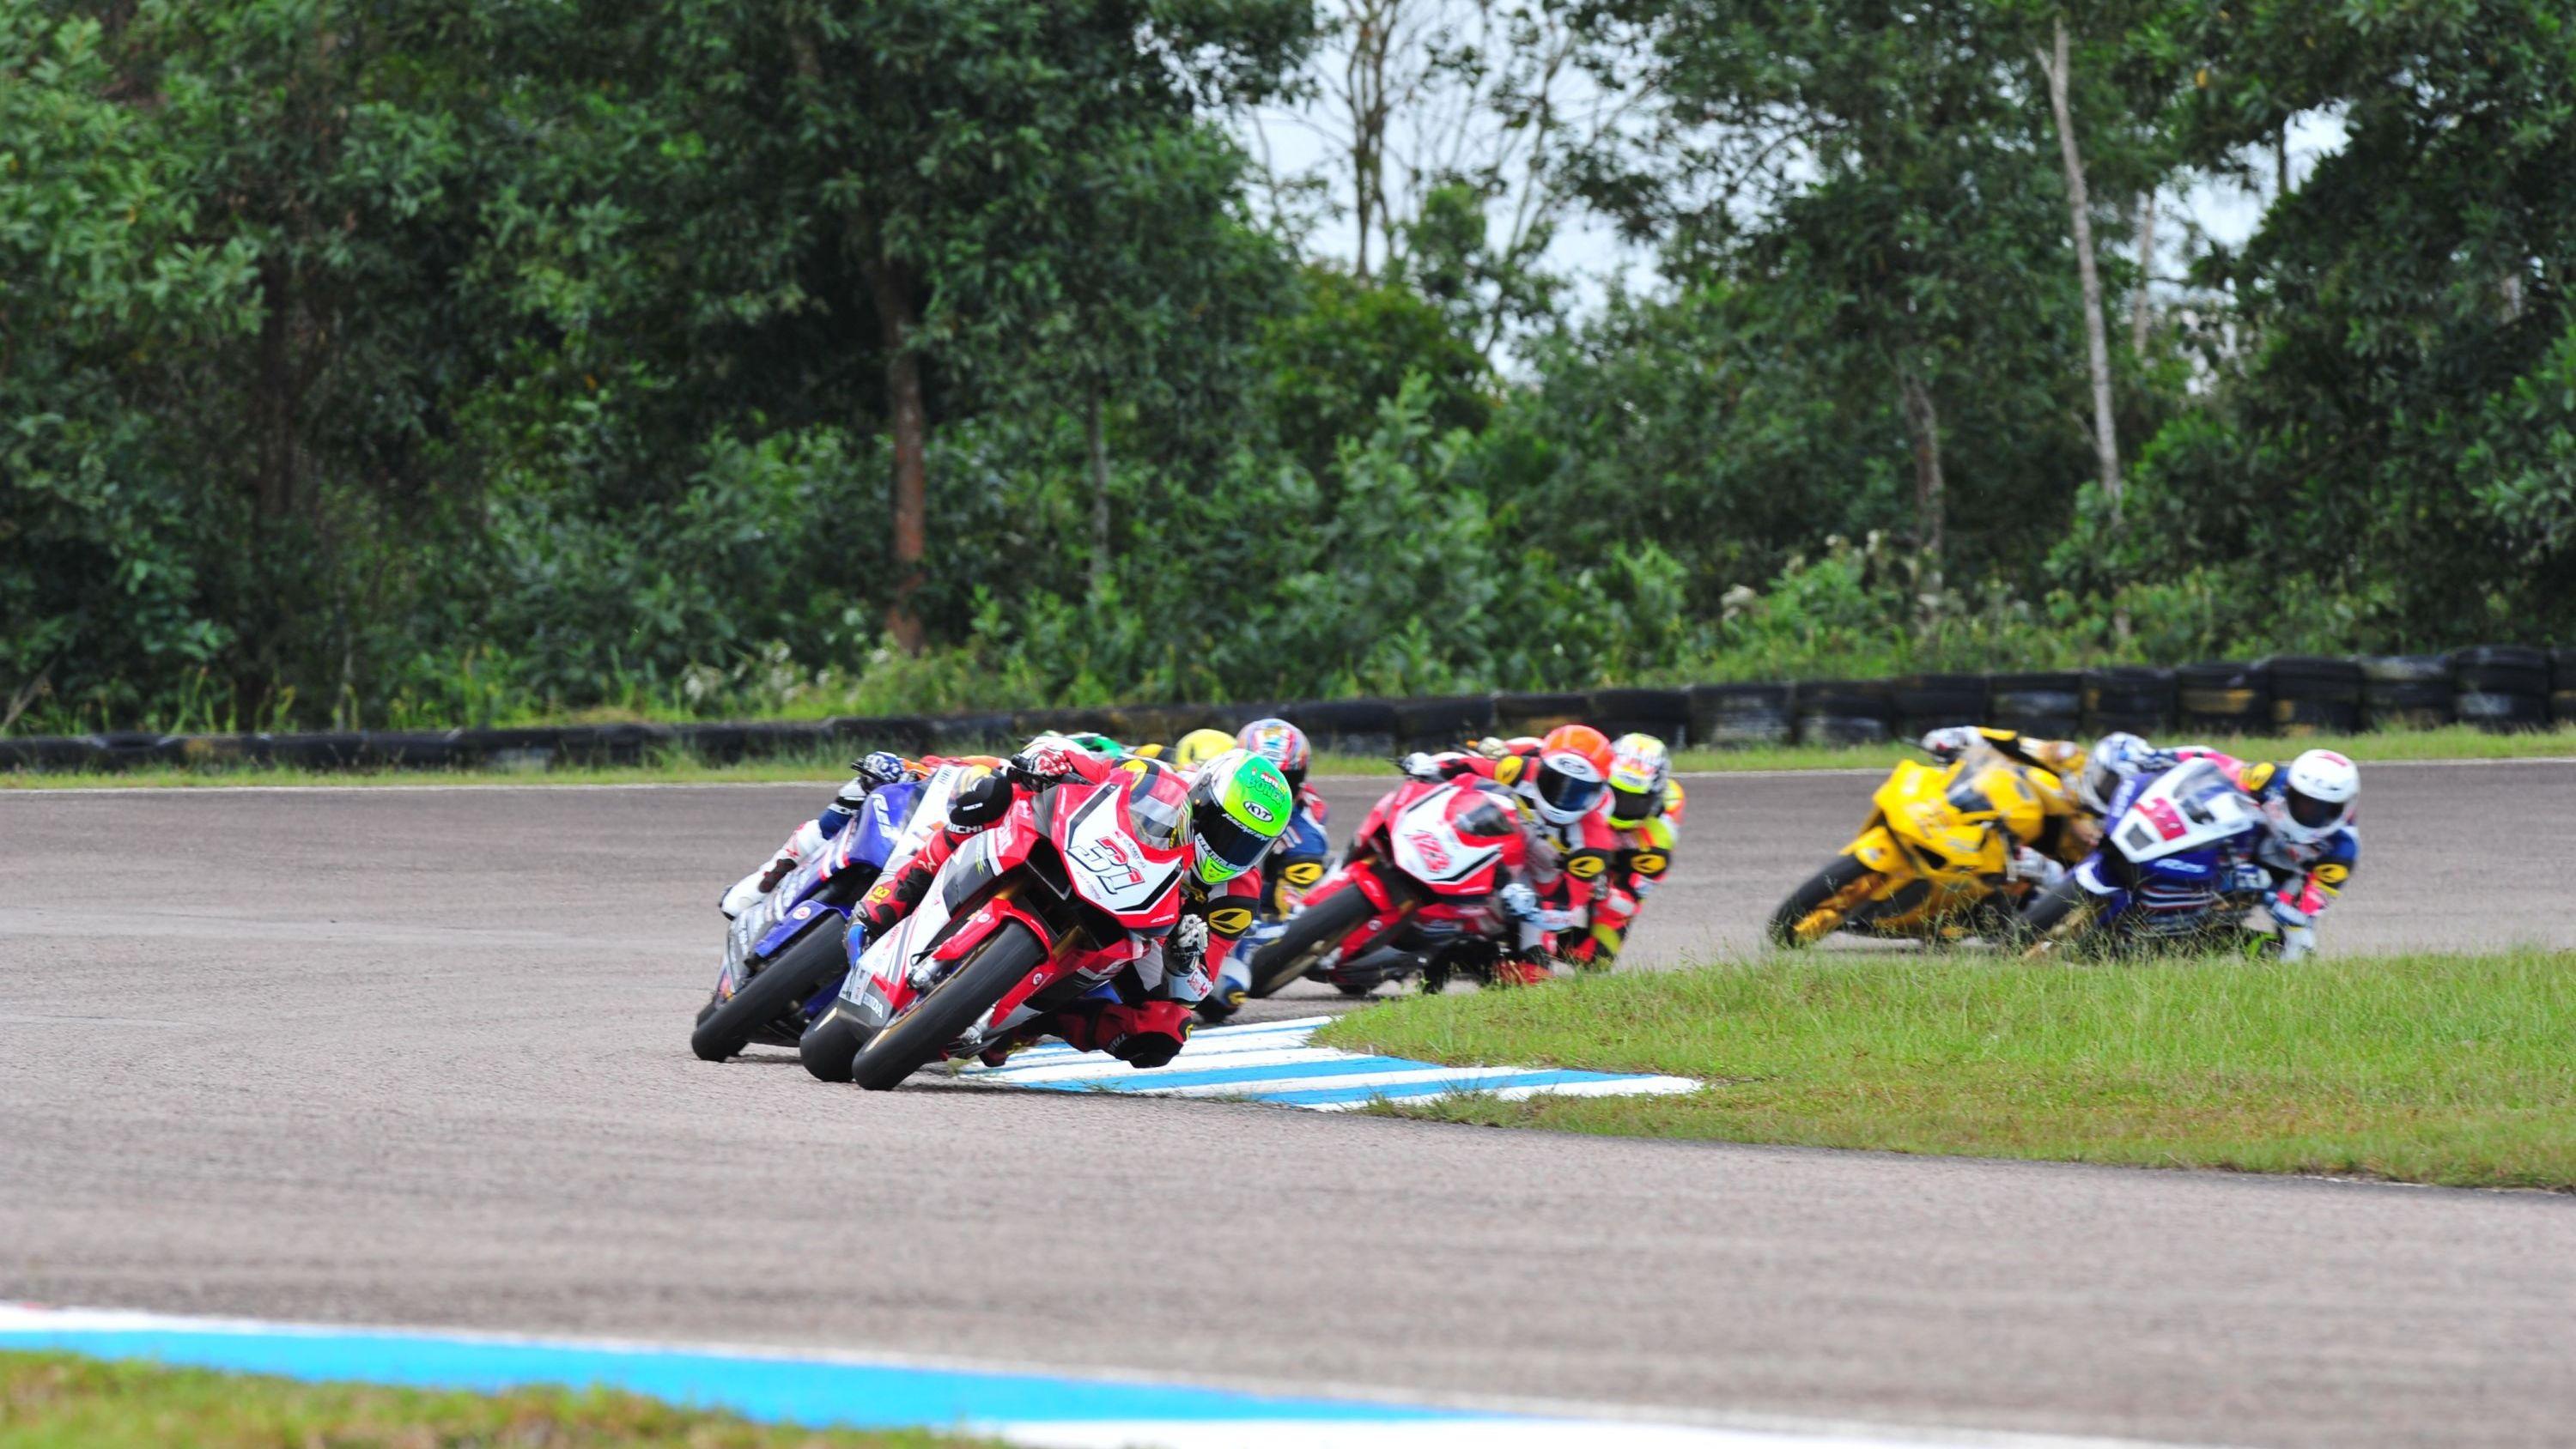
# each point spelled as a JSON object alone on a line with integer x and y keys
{"x": 1644, "y": 808}
{"x": 1291, "y": 869}
{"x": 1238, "y": 805}
{"x": 1558, "y": 784}
{"x": 2310, "y": 845}
{"x": 2061, "y": 774}
{"x": 878, "y": 768}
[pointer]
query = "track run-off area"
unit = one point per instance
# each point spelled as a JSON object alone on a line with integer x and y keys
{"x": 417, "y": 1057}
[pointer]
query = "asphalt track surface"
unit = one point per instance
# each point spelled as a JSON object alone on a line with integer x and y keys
{"x": 418, "y": 1057}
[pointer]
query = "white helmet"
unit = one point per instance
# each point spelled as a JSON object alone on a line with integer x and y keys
{"x": 2114, "y": 758}
{"x": 2316, "y": 797}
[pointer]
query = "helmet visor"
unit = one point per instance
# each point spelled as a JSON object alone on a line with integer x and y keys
{"x": 1568, "y": 794}
{"x": 2313, "y": 813}
{"x": 1636, "y": 807}
{"x": 1227, "y": 847}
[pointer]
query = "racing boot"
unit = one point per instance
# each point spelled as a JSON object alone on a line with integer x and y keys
{"x": 1141, "y": 1036}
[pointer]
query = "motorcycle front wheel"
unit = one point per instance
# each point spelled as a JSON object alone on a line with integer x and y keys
{"x": 1314, "y": 931}
{"x": 915, "y": 1039}
{"x": 2055, "y": 918}
{"x": 1818, "y": 908}
{"x": 807, "y": 965}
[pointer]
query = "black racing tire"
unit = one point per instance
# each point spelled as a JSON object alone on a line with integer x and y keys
{"x": 1838, "y": 875}
{"x": 979, "y": 983}
{"x": 2042, "y": 926}
{"x": 828, "y": 1045}
{"x": 805, "y": 967}
{"x": 1219, "y": 1006}
{"x": 1311, "y": 933}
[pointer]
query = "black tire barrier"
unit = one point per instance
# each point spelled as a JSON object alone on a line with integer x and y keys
{"x": 2223, "y": 699}
{"x": 2047, "y": 705}
{"x": 1663, "y": 713}
{"x": 410, "y": 749}
{"x": 2314, "y": 693}
{"x": 52, "y": 753}
{"x": 905, "y": 734}
{"x": 2405, "y": 691}
{"x": 125, "y": 749}
{"x": 2135, "y": 700}
{"x": 1926, "y": 702}
{"x": 2501, "y": 669}
{"x": 1844, "y": 711}
{"x": 1734, "y": 715}
{"x": 2562, "y": 686}
{"x": 1343, "y": 726}
{"x": 975, "y": 734}
{"x": 199, "y": 751}
{"x": 1442, "y": 722}
{"x": 1536, "y": 714}
{"x": 323, "y": 750}
{"x": 2501, "y": 687}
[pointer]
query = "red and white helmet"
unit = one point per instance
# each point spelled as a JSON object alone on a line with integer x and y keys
{"x": 2316, "y": 797}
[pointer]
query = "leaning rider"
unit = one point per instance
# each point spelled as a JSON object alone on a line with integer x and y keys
{"x": 2060, "y": 773}
{"x": 1291, "y": 869}
{"x": 2310, "y": 844}
{"x": 1644, "y": 809}
{"x": 1557, "y": 782}
{"x": 875, "y": 771}
{"x": 1238, "y": 804}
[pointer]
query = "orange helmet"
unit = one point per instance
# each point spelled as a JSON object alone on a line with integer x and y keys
{"x": 1572, "y": 773}
{"x": 1583, "y": 740}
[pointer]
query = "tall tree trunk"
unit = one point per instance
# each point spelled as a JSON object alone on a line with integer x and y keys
{"x": 1096, "y": 440}
{"x": 2079, "y": 207}
{"x": 2139, "y": 313}
{"x": 909, "y": 419}
{"x": 1923, "y": 429}
{"x": 273, "y": 393}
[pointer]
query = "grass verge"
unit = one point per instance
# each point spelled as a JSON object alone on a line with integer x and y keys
{"x": 64, "y": 1401}
{"x": 2458, "y": 742}
{"x": 2455, "y": 1069}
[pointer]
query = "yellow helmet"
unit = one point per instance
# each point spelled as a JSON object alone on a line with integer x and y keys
{"x": 1999, "y": 795}
{"x": 1198, "y": 747}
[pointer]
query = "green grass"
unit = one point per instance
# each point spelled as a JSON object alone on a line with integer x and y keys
{"x": 678, "y": 767}
{"x": 60, "y": 1401}
{"x": 2457, "y": 1069}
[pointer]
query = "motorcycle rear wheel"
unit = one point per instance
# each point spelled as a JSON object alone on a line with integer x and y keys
{"x": 805, "y": 967}
{"x": 1314, "y": 931}
{"x": 952, "y": 1008}
{"x": 1794, "y": 925}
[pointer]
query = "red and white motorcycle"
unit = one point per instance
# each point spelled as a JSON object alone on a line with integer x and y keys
{"x": 1033, "y": 915}
{"x": 1415, "y": 894}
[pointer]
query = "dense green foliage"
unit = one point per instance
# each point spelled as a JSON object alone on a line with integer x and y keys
{"x": 384, "y": 364}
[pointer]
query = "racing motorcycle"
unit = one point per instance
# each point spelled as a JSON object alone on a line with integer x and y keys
{"x": 1930, "y": 861}
{"x": 1031, "y": 915}
{"x": 784, "y": 958}
{"x": 1414, "y": 896}
{"x": 2176, "y": 868}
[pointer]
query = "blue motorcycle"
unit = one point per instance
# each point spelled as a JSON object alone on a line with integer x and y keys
{"x": 785, "y": 957}
{"x": 2176, "y": 866}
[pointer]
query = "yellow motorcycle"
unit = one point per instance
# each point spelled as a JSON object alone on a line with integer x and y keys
{"x": 1932, "y": 861}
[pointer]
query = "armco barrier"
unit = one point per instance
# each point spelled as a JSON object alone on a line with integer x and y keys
{"x": 2497, "y": 686}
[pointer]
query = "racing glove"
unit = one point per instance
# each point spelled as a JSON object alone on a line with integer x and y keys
{"x": 1040, "y": 768}
{"x": 1420, "y": 766}
{"x": 1518, "y": 901}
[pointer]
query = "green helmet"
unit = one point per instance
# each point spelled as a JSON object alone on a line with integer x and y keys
{"x": 1238, "y": 805}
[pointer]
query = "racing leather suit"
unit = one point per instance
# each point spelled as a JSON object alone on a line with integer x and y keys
{"x": 2298, "y": 882}
{"x": 1550, "y": 900}
{"x": 1149, "y": 1018}
{"x": 1638, "y": 860}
